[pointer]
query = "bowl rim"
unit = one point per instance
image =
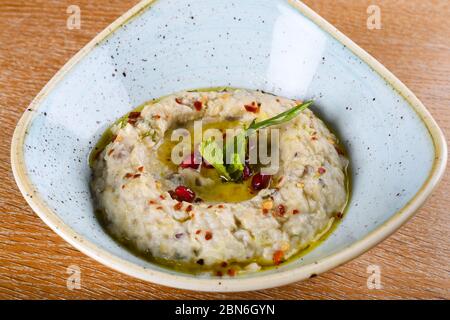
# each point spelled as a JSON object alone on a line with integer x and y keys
{"x": 228, "y": 284}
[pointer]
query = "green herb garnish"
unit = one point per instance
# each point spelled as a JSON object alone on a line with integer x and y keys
{"x": 237, "y": 146}
{"x": 212, "y": 153}
{"x": 278, "y": 119}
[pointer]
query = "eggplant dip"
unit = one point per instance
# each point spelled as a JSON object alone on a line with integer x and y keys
{"x": 207, "y": 204}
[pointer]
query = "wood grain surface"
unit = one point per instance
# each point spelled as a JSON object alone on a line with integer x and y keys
{"x": 414, "y": 43}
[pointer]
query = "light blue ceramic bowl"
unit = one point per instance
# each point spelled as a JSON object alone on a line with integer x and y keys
{"x": 397, "y": 151}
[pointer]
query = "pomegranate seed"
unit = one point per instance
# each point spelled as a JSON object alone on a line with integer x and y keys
{"x": 321, "y": 170}
{"x": 183, "y": 193}
{"x": 260, "y": 181}
{"x": 189, "y": 162}
{"x": 198, "y": 105}
{"x": 246, "y": 173}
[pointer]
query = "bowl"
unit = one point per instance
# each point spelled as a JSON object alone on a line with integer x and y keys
{"x": 397, "y": 151}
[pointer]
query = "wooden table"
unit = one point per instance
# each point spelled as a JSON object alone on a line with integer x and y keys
{"x": 414, "y": 43}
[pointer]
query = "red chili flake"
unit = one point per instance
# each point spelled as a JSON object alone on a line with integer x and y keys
{"x": 252, "y": 107}
{"x": 159, "y": 208}
{"x": 137, "y": 175}
{"x": 156, "y": 116}
{"x": 220, "y": 206}
{"x": 114, "y": 137}
{"x": 339, "y": 215}
{"x": 151, "y": 202}
{"x": 134, "y": 115}
{"x": 314, "y": 138}
{"x": 208, "y": 235}
{"x": 178, "y": 206}
{"x": 265, "y": 211}
{"x": 260, "y": 181}
{"x": 189, "y": 208}
{"x": 295, "y": 211}
{"x": 178, "y": 235}
{"x": 129, "y": 175}
{"x": 189, "y": 162}
{"x": 110, "y": 152}
{"x": 123, "y": 186}
{"x": 321, "y": 170}
{"x": 182, "y": 193}
{"x": 179, "y": 100}
{"x": 219, "y": 273}
{"x": 231, "y": 272}
{"x": 198, "y": 231}
{"x": 198, "y": 105}
{"x": 277, "y": 257}
{"x": 224, "y": 264}
{"x": 210, "y": 206}
{"x": 161, "y": 197}
{"x": 281, "y": 210}
{"x": 140, "y": 169}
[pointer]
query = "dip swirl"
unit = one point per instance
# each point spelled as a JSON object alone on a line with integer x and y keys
{"x": 220, "y": 227}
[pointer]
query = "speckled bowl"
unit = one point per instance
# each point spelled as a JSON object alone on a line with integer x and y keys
{"x": 397, "y": 151}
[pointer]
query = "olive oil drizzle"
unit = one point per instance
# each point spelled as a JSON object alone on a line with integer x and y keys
{"x": 217, "y": 191}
